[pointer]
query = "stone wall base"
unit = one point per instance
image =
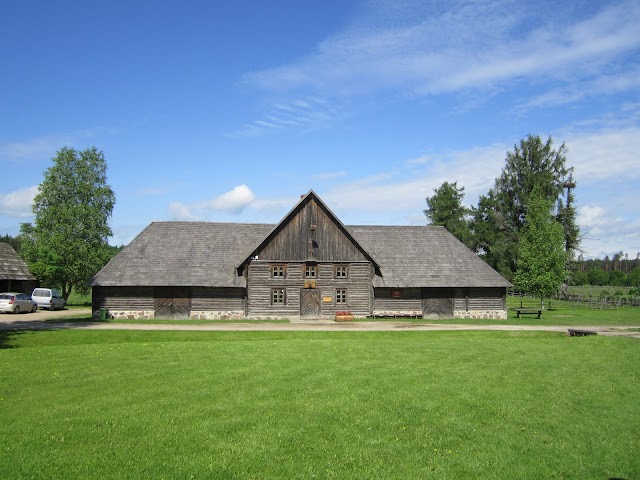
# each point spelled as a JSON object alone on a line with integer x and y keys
{"x": 397, "y": 313}
{"x": 213, "y": 315}
{"x": 239, "y": 315}
{"x": 481, "y": 314}
{"x": 128, "y": 314}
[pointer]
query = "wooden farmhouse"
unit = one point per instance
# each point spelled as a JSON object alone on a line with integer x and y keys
{"x": 308, "y": 266}
{"x": 14, "y": 272}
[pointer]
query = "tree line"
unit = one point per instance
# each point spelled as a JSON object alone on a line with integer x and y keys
{"x": 614, "y": 278}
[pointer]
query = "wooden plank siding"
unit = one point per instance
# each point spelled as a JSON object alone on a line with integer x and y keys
{"x": 410, "y": 301}
{"x": 462, "y": 299}
{"x": 311, "y": 234}
{"x": 123, "y": 298}
{"x": 144, "y": 298}
{"x": 260, "y": 284}
{"x": 480, "y": 299}
{"x": 218, "y": 299}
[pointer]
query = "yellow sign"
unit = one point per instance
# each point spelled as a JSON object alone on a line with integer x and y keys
{"x": 328, "y": 299}
{"x": 310, "y": 284}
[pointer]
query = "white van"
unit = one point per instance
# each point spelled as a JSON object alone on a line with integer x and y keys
{"x": 48, "y": 298}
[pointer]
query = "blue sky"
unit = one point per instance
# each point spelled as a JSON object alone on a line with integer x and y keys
{"x": 229, "y": 111}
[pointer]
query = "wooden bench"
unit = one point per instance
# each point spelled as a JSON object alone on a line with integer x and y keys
{"x": 528, "y": 311}
{"x": 576, "y": 332}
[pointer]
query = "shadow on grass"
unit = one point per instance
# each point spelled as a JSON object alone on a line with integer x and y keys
{"x": 10, "y": 330}
{"x": 6, "y": 337}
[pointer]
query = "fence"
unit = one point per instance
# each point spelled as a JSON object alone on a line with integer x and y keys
{"x": 600, "y": 302}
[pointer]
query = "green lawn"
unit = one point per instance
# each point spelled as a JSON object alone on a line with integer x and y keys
{"x": 122, "y": 404}
{"x": 559, "y": 312}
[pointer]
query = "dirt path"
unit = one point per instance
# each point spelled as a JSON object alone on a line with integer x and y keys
{"x": 38, "y": 321}
{"x": 41, "y": 314}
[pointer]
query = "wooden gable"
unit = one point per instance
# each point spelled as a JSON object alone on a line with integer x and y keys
{"x": 311, "y": 232}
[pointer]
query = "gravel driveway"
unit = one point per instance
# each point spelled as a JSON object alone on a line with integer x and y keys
{"x": 37, "y": 321}
{"x": 41, "y": 314}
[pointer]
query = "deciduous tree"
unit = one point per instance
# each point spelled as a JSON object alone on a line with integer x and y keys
{"x": 498, "y": 221}
{"x": 542, "y": 262}
{"x": 67, "y": 245}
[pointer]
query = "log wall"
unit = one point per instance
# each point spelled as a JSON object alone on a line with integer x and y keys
{"x": 260, "y": 284}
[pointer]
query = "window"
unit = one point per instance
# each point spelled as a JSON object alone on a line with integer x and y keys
{"x": 310, "y": 271}
{"x": 342, "y": 271}
{"x": 277, "y": 296}
{"x": 341, "y": 295}
{"x": 277, "y": 271}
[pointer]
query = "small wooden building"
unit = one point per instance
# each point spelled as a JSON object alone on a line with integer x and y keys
{"x": 14, "y": 272}
{"x": 308, "y": 266}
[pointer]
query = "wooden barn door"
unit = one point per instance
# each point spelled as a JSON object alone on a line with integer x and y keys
{"x": 437, "y": 303}
{"x": 173, "y": 303}
{"x": 309, "y": 303}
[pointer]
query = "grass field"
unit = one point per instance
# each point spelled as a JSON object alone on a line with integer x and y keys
{"x": 121, "y": 404}
{"x": 79, "y": 300}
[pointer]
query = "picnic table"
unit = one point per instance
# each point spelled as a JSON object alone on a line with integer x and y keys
{"x": 528, "y": 311}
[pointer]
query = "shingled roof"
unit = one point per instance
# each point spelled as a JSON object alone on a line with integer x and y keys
{"x": 207, "y": 254}
{"x": 190, "y": 254}
{"x": 424, "y": 256}
{"x": 12, "y": 266}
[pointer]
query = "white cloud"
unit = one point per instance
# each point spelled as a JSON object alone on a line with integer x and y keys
{"x": 605, "y": 154}
{"x": 430, "y": 48}
{"x": 603, "y": 85}
{"x": 35, "y": 149}
{"x": 18, "y": 203}
{"x": 404, "y": 189}
{"x": 234, "y": 201}
{"x": 329, "y": 175}
{"x": 302, "y": 114}
{"x": 180, "y": 211}
{"x": 606, "y": 233}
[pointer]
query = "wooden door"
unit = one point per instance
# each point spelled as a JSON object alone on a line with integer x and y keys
{"x": 437, "y": 303}
{"x": 173, "y": 303}
{"x": 309, "y": 303}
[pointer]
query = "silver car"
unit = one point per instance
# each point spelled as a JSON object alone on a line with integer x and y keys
{"x": 16, "y": 303}
{"x": 48, "y": 298}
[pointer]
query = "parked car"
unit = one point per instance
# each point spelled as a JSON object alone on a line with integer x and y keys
{"x": 16, "y": 303}
{"x": 48, "y": 298}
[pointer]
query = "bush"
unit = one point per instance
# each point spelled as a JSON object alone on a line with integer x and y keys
{"x": 598, "y": 277}
{"x": 579, "y": 278}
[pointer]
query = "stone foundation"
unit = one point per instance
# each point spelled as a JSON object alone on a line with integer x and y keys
{"x": 128, "y": 314}
{"x": 213, "y": 315}
{"x": 397, "y": 313}
{"x": 239, "y": 315}
{"x": 481, "y": 314}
